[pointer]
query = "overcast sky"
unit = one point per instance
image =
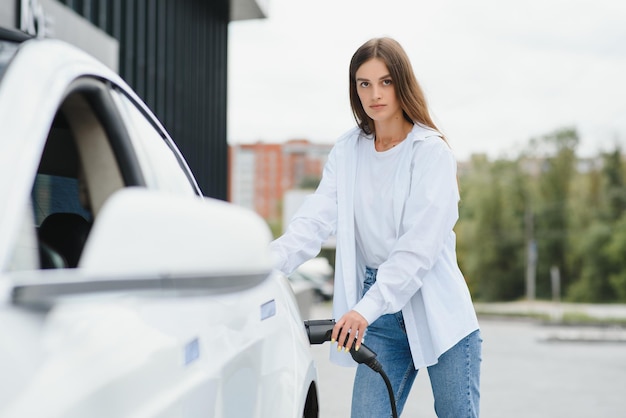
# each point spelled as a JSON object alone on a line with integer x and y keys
{"x": 495, "y": 72}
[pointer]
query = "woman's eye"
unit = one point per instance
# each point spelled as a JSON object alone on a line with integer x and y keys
{"x": 387, "y": 82}
{"x": 364, "y": 84}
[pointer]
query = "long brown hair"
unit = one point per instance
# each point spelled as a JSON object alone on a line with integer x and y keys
{"x": 408, "y": 90}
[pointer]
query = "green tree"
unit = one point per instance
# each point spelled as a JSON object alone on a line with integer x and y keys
{"x": 596, "y": 265}
{"x": 490, "y": 229}
{"x": 615, "y": 189}
{"x": 574, "y": 209}
{"x": 599, "y": 243}
{"x": 551, "y": 210}
{"x": 309, "y": 182}
{"x": 615, "y": 252}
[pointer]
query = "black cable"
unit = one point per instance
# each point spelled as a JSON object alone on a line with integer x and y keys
{"x": 319, "y": 331}
{"x": 375, "y": 365}
{"x": 394, "y": 412}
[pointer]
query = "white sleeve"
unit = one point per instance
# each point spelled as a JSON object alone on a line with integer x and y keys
{"x": 430, "y": 213}
{"x": 312, "y": 224}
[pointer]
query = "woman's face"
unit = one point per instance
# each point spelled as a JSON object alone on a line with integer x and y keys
{"x": 377, "y": 92}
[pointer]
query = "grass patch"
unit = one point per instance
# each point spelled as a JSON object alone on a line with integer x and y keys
{"x": 513, "y": 315}
{"x": 581, "y": 318}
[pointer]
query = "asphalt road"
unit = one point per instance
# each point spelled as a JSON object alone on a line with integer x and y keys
{"x": 529, "y": 371}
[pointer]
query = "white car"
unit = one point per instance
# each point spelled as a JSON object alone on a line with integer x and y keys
{"x": 124, "y": 292}
{"x": 318, "y": 274}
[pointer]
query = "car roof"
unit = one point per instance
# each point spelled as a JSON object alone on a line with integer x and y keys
{"x": 10, "y": 40}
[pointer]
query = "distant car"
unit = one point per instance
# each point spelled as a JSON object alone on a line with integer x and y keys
{"x": 124, "y": 292}
{"x": 317, "y": 273}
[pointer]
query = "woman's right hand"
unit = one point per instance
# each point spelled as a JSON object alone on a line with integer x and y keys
{"x": 349, "y": 330}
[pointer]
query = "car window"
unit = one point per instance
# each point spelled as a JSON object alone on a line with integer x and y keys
{"x": 87, "y": 157}
{"x": 164, "y": 169}
{"x": 57, "y": 194}
{"x": 25, "y": 253}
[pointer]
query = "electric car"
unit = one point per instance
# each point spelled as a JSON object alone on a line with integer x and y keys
{"x": 123, "y": 291}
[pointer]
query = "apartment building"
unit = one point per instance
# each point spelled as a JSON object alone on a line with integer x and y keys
{"x": 261, "y": 173}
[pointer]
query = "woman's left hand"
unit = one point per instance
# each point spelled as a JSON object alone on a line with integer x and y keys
{"x": 348, "y": 330}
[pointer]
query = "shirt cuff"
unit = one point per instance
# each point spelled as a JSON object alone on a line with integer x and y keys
{"x": 369, "y": 308}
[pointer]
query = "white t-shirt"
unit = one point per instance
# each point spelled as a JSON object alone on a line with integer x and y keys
{"x": 375, "y": 227}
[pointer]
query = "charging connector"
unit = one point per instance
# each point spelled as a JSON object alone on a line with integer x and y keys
{"x": 320, "y": 330}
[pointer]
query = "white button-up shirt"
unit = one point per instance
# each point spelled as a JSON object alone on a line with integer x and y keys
{"x": 421, "y": 276}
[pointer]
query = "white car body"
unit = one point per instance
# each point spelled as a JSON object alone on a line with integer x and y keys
{"x": 173, "y": 309}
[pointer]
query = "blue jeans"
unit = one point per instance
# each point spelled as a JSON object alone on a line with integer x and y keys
{"x": 455, "y": 379}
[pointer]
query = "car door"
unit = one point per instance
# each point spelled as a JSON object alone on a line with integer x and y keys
{"x": 133, "y": 295}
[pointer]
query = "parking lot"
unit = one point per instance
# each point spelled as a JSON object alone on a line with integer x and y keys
{"x": 529, "y": 370}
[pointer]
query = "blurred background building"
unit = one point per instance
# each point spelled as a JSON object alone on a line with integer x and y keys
{"x": 262, "y": 173}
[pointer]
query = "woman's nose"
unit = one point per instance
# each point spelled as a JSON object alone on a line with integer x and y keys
{"x": 376, "y": 92}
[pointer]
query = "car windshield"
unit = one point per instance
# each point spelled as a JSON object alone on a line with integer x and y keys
{"x": 7, "y": 50}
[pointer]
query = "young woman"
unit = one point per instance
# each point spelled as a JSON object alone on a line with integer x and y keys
{"x": 389, "y": 192}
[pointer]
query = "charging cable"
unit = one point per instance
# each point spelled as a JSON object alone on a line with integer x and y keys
{"x": 320, "y": 331}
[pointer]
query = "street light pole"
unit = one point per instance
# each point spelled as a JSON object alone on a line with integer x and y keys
{"x": 531, "y": 256}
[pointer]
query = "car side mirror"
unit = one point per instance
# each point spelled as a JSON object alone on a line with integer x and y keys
{"x": 139, "y": 231}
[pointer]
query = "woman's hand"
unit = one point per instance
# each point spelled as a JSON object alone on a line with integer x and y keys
{"x": 348, "y": 330}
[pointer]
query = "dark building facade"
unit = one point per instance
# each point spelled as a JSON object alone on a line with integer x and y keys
{"x": 174, "y": 54}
